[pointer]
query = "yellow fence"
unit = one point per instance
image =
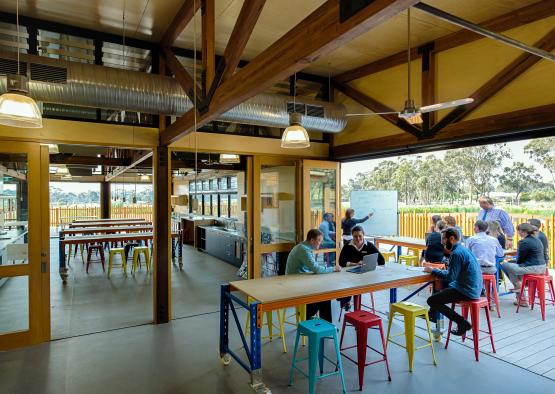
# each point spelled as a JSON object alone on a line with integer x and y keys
{"x": 415, "y": 224}
{"x": 67, "y": 214}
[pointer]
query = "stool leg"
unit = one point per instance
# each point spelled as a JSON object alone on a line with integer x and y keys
{"x": 532, "y": 293}
{"x": 522, "y": 287}
{"x": 270, "y": 322}
{"x": 281, "y": 319}
{"x": 321, "y": 355}
{"x": 338, "y": 355}
{"x": 490, "y": 329}
{"x": 409, "y": 338}
{"x": 342, "y": 335}
{"x": 123, "y": 263}
{"x": 102, "y": 259}
{"x": 373, "y": 305}
{"x": 487, "y": 285}
{"x": 430, "y": 338}
{"x": 475, "y": 316}
{"x": 541, "y": 296}
{"x": 362, "y": 340}
{"x": 110, "y": 260}
{"x": 496, "y": 299}
{"x": 552, "y": 291}
{"x": 389, "y": 322}
{"x": 313, "y": 346}
{"x": 384, "y": 351}
{"x": 292, "y": 372}
{"x": 465, "y": 315}
{"x": 89, "y": 255}
{"x": 449, "y": 329}
{"x": 147, "y": 259}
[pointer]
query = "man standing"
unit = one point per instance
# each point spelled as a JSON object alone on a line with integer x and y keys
{"x": 301, "y": 261}
{"x": 327, "y": 227}
{"x": 485, "y": 248}
{"x": 489, "y": 212}
{"x": 464, "y": 280}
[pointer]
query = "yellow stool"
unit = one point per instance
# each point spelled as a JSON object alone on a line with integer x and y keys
{"x": 300, "y": 315}
{"x": 388, "y": 255}
{"x": 137, "y": 251}
{"x": 409, "y": 260}
{"x": 113, "y": 253}
{"x": 410, "y": 312}
{"x": 269, "y": 323}
{"x": 81, "y": 249}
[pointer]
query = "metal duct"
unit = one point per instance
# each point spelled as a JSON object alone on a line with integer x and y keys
{"x": 88, "y": 85}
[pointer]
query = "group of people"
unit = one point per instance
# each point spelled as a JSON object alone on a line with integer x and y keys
{"x": 462, "y": 278}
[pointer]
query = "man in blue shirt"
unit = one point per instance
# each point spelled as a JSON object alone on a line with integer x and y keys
{"x": 301, "y": 261}
{"x": 485, "y": 248}
{"x": 490, "y": 213}
{"x": 464, "y": 279}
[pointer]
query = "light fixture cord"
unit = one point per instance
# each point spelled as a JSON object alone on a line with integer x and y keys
{"x": 408, "y": 52}
{"x": 195, "y": 89}
{"x": 17, "y": 27}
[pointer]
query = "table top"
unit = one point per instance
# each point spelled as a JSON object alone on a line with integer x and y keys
{"x": 111, "y": 224}
{"x": 417, "y": 242}
{"x": 106, "y": 220}
{"x": 298, "y": 289}
{"x": 106, "y": 229}
{"x": 110, "y": 237}
{"x": 16, "y": 223}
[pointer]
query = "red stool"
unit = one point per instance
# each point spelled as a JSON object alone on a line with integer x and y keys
{"x": 474, "y": 307}
{"x": 362, "y": 321}
{"x": 489, "y": 284}
{"x": 100, "y": 249}
{"x": 357, "y": 301}
{"x": 537, "y": 283}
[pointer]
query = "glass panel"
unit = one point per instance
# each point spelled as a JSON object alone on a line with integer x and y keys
{"x": 323, "y": 204}
{"x": 277, "y": 205}
{"x": 233, "y": 206}
{"x": 192, "y": 186}
{"x": 213, "y": 184}
{"x": 224, "y": 205}
{"x": 205, "y": 185}
{"x": 199, "y": 186}
{"x": 207, "y": 204}
{"x": 196, "y": 205}
{"x": 233, "y": 183}
{"x": 222, "y": 183}
{"x": 14, "y": 304}
{"x": 14, "y": 209}
{"x": 269, "y": 264}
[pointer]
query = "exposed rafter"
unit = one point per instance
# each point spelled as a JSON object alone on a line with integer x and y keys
{"x": 376, "y": 106}
{"x": 180, "y": 21}
{"x": 250, "y": 11}
{"x": 520, "y": 17}
{"x": 183, "y": 77}
{"x": 118, "y": 171}
{"x": 428, "y": 85}
{"x": 208, "y": 44}
{"x": 318, "y": 34}
{"x": 497, "y": 82}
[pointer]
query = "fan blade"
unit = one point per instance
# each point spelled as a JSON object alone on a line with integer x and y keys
{"x": 374, "y": 113}
{"x": 447, "y": 104}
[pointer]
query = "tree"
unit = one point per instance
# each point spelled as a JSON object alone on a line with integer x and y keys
{"x": 543, "y": 151}
{"x": 519, "y": 178}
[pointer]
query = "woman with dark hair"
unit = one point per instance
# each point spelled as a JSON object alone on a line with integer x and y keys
{"x": 353, "y": 252}
{"x": 434, "y": 252}
{"x": 349, "y": 222}
{"x": 530, "y": 258}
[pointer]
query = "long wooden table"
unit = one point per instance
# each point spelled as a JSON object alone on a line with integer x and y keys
{"x": 106, "y": 230}
{"x": 106, "y": 238}
{"x": 290, "y": 290}
{"x": 108, "y": 220}
{"x": 401, "y": 242}
{"x": 111, "y": 224}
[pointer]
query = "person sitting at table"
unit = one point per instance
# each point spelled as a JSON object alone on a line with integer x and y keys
{"x": 529, "y": 259}
{"x": 450, "y": 221}
{"x": 463, "y": 279}
{"x": 435, "y": 219}
{"x": 537, "y": 223}
{"x": 485, "y": 248}
{"x": 434, "y": 248}
{"x": 301, "y": 260}
{"x": 349, "y": 222}
{"x": 353, "y": 253}
{"x": 494, "y": 229}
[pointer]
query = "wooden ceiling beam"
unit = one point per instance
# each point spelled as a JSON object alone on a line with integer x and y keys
{"x": 208, "y": 44}
{"x": 185, "y": 79}
{"x": 250, "y": 11}
{"x": 62, "y": 158}
{"x": 376, "y": 106}
{"x": 497, "y": 82}
{"x": 473, "y": 131}
{"x": 510, "y": 20}
{"x": 428, "y": 85}
{"x": 180, "y": 21}
{"x": 318, "y": 34}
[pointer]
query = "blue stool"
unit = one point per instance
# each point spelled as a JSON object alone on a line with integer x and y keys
{"x": 317, "y": 330}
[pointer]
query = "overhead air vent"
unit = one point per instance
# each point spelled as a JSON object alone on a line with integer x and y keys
{"x": 46, "y": 73}
{"x": 9, "y": 66}
{"x": 306, "y": 109}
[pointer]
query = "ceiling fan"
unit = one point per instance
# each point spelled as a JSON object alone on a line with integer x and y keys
{"x": 410, "y": 112}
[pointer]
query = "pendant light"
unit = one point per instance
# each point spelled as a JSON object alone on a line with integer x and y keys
{"x": 229, "y": 158}
{"x": 145, "y": 178}
{"x": 295, "y": 136}
{"x": 135, "y": 194}
{"x": 17, "y": 109}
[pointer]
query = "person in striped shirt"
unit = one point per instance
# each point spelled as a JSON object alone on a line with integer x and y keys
{"x": 489, "y": 212}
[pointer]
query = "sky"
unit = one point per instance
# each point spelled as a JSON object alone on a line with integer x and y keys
{"x": 349, "y": 170}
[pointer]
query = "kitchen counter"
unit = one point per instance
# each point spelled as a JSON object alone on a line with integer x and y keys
{"x": 227, "y": 245}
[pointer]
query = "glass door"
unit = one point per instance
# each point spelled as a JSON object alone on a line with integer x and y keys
{"x": 24, "y": 270}
{"x": 275, "y": 213}
{"x": 322, "y": 206}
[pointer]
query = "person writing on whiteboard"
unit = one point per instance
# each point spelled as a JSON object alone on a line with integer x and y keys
{"x": 301, "y": 260}
{"x": 349, "y": 222}
{"x": 352, "y": 253}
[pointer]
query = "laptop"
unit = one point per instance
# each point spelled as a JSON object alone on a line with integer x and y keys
{"x": 369, "y": 263}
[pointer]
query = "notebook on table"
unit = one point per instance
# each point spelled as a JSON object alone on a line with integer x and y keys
{"x": 369, "y": 263}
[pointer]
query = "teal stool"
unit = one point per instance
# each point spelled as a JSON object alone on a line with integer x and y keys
{"x": 317, "y": 330}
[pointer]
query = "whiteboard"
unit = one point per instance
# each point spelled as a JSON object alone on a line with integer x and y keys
{"x": 383, "y": 204}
